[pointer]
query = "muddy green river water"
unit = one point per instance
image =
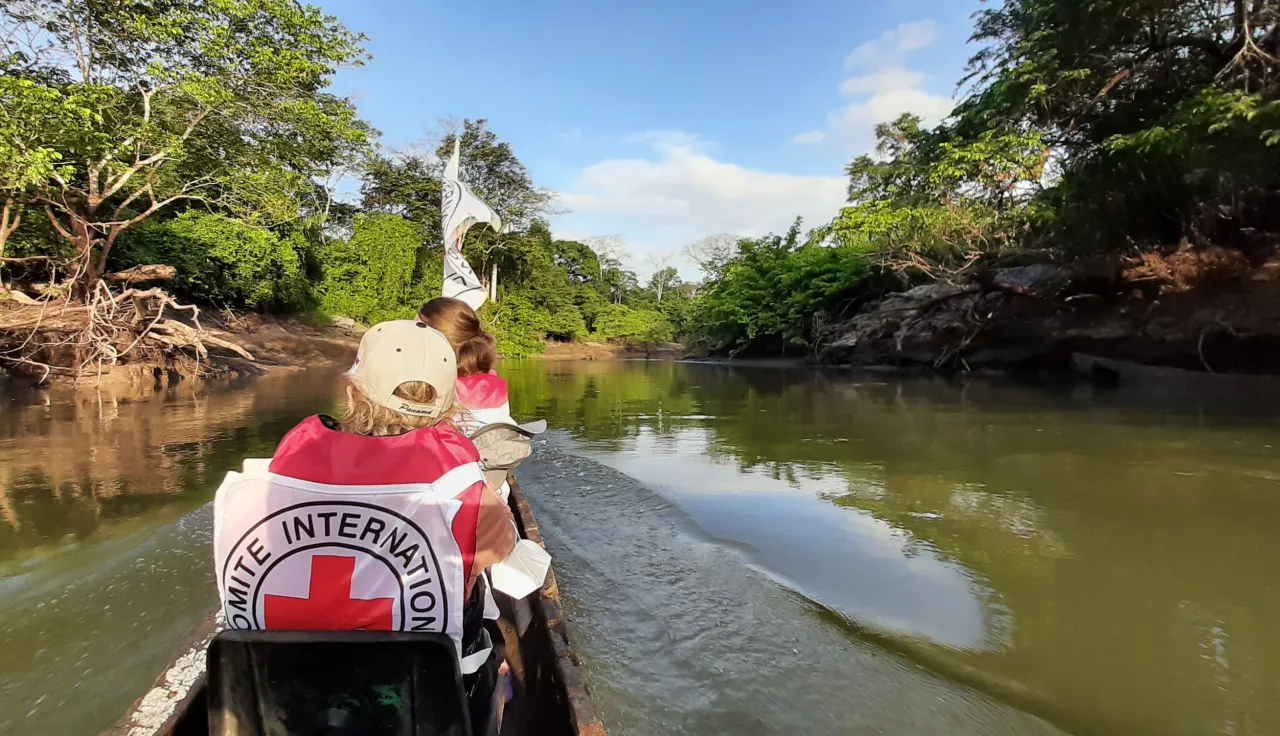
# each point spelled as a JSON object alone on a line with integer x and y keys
{"x": 741, "y": 550}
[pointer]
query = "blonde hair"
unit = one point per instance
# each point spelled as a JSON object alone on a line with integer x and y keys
{"x": 460, "y": 325}
{"x": 361, "y": 415}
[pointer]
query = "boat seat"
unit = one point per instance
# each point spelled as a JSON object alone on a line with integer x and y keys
{"x": 309, "y": 683}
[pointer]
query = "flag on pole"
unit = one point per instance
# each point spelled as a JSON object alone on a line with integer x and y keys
{"x": 460, "y": 209}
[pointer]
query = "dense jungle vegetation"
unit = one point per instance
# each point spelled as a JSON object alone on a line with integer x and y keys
{"x": 202, "y": 134}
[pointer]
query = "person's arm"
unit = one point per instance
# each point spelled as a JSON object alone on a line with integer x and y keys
{"x": 495, "y": 532}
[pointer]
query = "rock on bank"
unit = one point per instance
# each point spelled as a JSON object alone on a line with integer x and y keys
{"x": 1207, "y": 310}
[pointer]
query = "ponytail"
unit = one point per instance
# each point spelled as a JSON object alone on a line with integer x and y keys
{"x": 476, "y": 355}
{"x": 476, "y": 350}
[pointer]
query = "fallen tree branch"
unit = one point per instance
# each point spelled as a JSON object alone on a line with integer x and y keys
{"x": 48, "y": 369}
{"x": 142, "y": 274}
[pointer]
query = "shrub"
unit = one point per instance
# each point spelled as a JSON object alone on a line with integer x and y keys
{"x": 220, "y": 260}
{"x": 620, "y": 323}
{"x": 370, "y": 277}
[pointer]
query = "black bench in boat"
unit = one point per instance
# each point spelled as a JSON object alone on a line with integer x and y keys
{"x": 390, "y": 683}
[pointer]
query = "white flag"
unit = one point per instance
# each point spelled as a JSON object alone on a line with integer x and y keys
{"x": 460, "y": 209}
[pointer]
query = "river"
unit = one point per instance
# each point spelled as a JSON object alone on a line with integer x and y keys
{"x": 740, "y": 550}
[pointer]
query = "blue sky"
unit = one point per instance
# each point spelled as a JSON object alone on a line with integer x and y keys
{"x": 662, "y": 122}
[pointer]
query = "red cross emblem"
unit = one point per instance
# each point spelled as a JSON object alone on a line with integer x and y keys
{"x": 328, "y": 605}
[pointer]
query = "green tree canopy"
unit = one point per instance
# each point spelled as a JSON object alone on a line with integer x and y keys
{"x": 408, "y": 186}
{"x": 1163, "y": 115}
{"x": 378, "y": 273}
{"x": 116, "y": 110}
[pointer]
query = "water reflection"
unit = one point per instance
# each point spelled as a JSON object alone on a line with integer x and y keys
{"x": 80, "y": 466}
{"x": 102, "y": 570}
{"x": 1102, "y": 560}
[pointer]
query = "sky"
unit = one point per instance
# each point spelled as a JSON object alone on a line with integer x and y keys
{"x": 662, "y": 122}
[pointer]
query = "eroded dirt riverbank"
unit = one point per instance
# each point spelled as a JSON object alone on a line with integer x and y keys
{"x": 1212, "y": 312}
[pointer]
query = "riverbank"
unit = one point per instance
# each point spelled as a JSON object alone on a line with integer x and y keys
{"x": 608, "y": 351}
{"x": 286, "y": 344}
{"x": 1209, "y": 311}
{"x": 228, "y": 347}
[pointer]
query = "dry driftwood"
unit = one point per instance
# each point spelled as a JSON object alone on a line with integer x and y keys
{"x": 20, "y": 298}
{"x": 53, "y": 291}
{"x": 142, "y": 274}
{"x": 179, "y": 335}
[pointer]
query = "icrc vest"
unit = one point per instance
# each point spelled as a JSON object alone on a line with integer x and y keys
{"x": 343, "y": 531}
{"x": 484, "y": 395}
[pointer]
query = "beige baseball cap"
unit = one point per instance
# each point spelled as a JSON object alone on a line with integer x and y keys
{"x": 403, "y": 351}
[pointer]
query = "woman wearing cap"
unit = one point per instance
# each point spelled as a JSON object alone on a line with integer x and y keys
{"x": 407, "y": 517}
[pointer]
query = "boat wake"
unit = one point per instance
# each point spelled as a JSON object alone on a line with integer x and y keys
{"x": 681, "y": 635}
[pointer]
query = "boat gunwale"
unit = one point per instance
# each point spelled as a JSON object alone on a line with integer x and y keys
{"x": 582, "y": 711}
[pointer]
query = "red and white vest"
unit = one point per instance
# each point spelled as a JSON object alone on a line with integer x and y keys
{"x": 343, "y": 531}
{"x": 484, "y": 396}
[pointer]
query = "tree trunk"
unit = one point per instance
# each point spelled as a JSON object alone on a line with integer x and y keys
{"x": 82, "y": 239}
{"x": 100, "y": 263}
{"x": 93, "y": 273}
{"x": 493, "y": 283}
{"x": 7, "y": 226}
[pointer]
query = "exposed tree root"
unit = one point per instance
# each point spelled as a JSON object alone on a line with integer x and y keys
{"x": 86, "y": 338}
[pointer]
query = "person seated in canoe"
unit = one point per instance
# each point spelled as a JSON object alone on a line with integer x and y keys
{"x": 377, "y": 520}
{"x": 503, "y": 441}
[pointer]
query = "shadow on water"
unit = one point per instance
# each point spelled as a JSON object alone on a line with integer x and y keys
{"x": 946, "y": 663}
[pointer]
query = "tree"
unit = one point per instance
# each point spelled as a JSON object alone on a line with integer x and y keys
{"x": 616, "y": 284}
{"x": 374, "y": 276}
{"x": 406, "y": 185}
{"x": 25, "y": 160}
{"x": 1088, "y": 71}
{"x": 517, "y": 324}
{"x": 664, "y": 280}
{"x": 621, "y": 323}
{"x": 220, "y": 260}
{"x": 149, "y": 104}
{"x": 928, "y": 199}
{"x": 580, "y": 263}
{"x": 774, "y": 293}
{"x": 713, "y": 252}
{"x": 496, "y": 174}
{"x": 610, "y": 250}
{"x": 1163, "y": 115}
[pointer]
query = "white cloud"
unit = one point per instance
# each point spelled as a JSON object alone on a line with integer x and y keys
{"x": 855, "y": 123}
{"x": 893, "y": 44}
{"x": 667, "y": 140}
{"x": 883, "y": 89}
{"x": 680, "y": 194}
{"x": 809, "y": 136}
{"x": 917, "y": 35}
{"x": 884, "y": 79}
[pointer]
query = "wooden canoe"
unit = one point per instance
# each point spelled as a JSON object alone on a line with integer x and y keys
{"x": 551, "y": 693}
